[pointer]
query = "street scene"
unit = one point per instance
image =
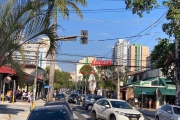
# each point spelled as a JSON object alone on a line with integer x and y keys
{"x": 89, "y": 60}
{"x": 21, "y": 109}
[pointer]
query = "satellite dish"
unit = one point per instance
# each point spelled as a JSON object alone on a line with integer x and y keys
{"x": 7, "y": 79}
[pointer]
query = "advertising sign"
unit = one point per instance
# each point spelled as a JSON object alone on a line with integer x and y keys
{"x": 96, "y": 62}
{"x": 145, "y": 83}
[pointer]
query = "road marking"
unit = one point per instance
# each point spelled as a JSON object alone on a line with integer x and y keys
{"x": 84, "y": 115}
{"x": 75, "y": 117}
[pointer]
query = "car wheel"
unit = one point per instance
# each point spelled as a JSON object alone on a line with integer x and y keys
{"x": 112, "y": 117}
{"x": 157, "y": 118}
{"x": 89, "y": 107}
{"x": 93, "y": 116}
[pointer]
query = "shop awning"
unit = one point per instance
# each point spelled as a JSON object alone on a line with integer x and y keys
{"x": 165, "y": 91}
{"x": 7, "y": 70}
{"x": 144, "y": 90}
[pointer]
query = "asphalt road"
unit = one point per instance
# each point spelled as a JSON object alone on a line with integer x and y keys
{"x": 82, "y": 114}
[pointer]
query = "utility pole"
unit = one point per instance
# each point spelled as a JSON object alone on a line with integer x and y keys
{"x": 176, "y": 70}
{"x": 35, "y": 79}
{"x": 118, "y": 86}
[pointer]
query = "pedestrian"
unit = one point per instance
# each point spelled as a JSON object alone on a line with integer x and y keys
{"x": 150, "y": 103}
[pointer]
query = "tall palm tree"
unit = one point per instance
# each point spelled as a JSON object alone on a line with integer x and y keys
{"x": 20, "y": 24}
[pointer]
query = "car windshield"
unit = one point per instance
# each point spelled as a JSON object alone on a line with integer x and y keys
{"x": 176, "y": 110}
{"x": 120, "y": 104}
{"x": 49, "y": 115}
{"x": 60, "y": 95}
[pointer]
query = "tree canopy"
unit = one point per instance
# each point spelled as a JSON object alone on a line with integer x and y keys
{"x": 163, "y": 54}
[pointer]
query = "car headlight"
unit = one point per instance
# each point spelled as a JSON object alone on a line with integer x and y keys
{"x": 121, "y": 113}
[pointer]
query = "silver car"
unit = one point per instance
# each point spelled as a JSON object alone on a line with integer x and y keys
{"x": 168, "y": 112}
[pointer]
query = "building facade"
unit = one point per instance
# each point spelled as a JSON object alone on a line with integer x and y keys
{"x": 120, "y": 52}
{"x": 137, "y": 57}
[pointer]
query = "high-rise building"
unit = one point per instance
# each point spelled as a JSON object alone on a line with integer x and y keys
{"x": 137, "y": 57}
{"x": 30, "y": 53}
{"x": 120, "y": 52}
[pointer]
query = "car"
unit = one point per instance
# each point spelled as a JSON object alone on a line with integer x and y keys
{"x": 168, "y": 112}
{"x": 60, "y": 97}
{"x": 72, "y": 98}
{"x": 82, "y": 97}
{"x": 89, "y": 100}
{"x": 58, "y": 112}
{"x": 114, "y": 109}
{"x": 61, "y": 103}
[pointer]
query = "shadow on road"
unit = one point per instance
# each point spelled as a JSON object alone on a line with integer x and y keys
{"x": 5, "y": 110}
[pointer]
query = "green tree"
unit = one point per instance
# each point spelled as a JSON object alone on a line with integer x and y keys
{"x": 61, "y": 80}
{"x": 162, "y": 54}
{"x": 20, "y": 24}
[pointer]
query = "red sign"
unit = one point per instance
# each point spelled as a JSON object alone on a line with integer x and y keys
{"x": 101, "y": 62}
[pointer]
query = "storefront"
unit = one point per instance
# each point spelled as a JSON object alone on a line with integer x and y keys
{"x": 155, "y": 89}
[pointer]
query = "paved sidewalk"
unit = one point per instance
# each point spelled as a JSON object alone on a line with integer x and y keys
{"x": 17, "y": 111}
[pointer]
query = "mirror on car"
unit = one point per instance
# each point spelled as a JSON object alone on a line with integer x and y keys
{"x": 107, "y": 106}
{"x": 133, "y": 107}
{"x": 73, "y": 109}
{"x": 169, "y": 111}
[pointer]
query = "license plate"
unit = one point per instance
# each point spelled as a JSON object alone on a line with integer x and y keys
{"x": 133, "y": 118}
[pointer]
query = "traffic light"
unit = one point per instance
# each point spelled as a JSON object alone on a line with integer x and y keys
{"x": 84, "y": 37}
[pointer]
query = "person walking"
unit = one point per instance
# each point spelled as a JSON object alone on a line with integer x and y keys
{"x": 150, "y": 103}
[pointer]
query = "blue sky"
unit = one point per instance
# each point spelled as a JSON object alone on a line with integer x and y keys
{"x": 105, "y": 19}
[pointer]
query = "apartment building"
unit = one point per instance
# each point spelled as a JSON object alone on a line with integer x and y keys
{"x": 138, "y": 57}
{"x": 120, "y": 53}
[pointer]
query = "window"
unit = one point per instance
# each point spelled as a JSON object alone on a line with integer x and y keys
{"x": 164, "y": 108}
{"x": 169, "y": 109}
{"x": 49, "y": 115}
{"x": 105, "y": 103}
{"x": 100, "y": 102}
{"x": 176, "y": 110}
{"x": 120, "y": 104}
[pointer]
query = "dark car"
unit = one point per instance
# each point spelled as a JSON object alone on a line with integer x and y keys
{"x": 58, "y": 112}
{"x": 72, "y": 98}
{"x": 60, "y": 97}
{"x": 89, "y": 100}
{"x": 60, "y": 103}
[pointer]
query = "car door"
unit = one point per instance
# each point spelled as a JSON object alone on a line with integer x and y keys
{"x": 169, "y": 113}
{"x": 161, "y": 112}
{"x": 98, "y": 105}
{"x": 105, "y": 111}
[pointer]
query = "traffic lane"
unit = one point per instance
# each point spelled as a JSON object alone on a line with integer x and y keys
{"x": 80, "y": 112}
{"x": 84, "y": 114}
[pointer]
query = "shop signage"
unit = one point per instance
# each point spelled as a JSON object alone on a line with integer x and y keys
{"x": 145, "y": 83}
{"x": 101, "y": 62}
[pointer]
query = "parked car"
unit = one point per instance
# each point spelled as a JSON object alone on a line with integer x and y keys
{"x": 114, "y": 109}
{"x": 61, "y": 103}
{"x": 89, "y": 100}
{"x": 58, "y": 112}
{"x": 72, "y": 98}
{"x": 168, "y": 112}
{"x": 60, "y": 97}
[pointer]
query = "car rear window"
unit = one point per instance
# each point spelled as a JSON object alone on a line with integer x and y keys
{"x": 49, "y": 115}
{"x": 58, "y": 103}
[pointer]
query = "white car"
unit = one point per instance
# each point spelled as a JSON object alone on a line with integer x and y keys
{"x": 168, "y": 112}
{"x": 113, "y": 109}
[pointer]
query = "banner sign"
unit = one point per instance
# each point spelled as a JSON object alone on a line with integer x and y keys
{"x": 101, "y": 62}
